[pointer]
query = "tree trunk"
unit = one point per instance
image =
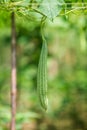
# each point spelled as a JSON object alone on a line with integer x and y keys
{"x": 13, "y": 73}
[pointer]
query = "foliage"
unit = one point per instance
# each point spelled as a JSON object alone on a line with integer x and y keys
{"x": 47, "y": 8}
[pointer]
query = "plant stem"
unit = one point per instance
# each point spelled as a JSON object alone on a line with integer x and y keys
{"x": 13, "y": 73}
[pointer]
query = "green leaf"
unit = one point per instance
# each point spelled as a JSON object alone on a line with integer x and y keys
{"x": 51, "y": 8}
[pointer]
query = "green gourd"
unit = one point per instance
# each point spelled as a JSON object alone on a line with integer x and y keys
{"x": 42, "y": 77}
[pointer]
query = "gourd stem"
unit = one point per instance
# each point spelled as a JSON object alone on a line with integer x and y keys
{"x": 42, "y": 28}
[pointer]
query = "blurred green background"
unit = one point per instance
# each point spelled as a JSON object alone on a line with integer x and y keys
{"x": 67, "y": 73}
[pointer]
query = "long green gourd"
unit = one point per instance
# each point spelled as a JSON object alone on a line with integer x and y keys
{"x": 42, "y": 77}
